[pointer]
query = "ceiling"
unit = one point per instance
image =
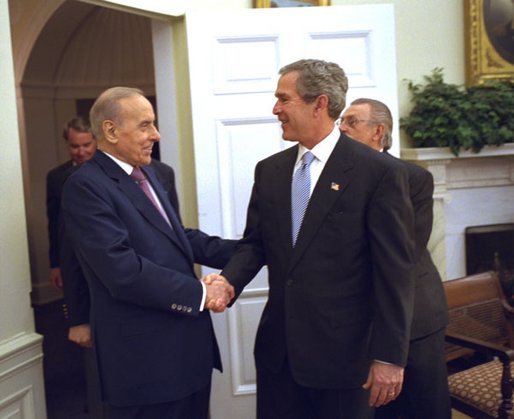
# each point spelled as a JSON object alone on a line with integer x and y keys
{"x": 88, "y": 46}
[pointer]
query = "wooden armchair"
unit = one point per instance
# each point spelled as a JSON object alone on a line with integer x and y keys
{"x": 480, "y": 322}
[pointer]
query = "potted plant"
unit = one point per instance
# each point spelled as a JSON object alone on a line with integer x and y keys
{"x": 460, "y": 117}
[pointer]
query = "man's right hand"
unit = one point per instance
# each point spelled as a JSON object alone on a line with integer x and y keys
{"x": 219, "y": 292}
{"x": 56, "y": 278}
{"x": 81, "y": 335}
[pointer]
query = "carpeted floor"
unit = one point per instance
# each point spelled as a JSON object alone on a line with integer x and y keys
{"x": 63, "y": 366}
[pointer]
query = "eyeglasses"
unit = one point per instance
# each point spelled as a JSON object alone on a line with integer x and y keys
{"x": 351, "y": 122}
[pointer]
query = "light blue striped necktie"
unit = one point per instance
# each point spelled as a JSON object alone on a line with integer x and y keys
{"x": 300, "y": 192}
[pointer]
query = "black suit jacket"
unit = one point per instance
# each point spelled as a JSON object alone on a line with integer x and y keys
{"x": 54, "y": 181}
{"x": 430, "y": 307}
{"x": 343, "y": 295}
{"x": 152, "y": 342}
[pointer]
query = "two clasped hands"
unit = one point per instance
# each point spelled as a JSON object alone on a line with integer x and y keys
{"x": 219, "y": 292}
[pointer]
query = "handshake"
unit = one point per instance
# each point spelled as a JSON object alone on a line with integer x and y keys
{"x": 219, "y": 292}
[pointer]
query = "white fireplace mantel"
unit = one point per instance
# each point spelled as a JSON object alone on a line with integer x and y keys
{"x": 470, "y": 189}
{"x": 492, "y": 166}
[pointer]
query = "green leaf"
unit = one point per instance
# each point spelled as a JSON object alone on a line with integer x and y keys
{"x": 459, "y": 117}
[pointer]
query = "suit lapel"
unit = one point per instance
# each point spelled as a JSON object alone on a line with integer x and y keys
{"x": 331, "y": 184}
{"x": 282, "y": 193}
{"x": 172, "y": 215}
{"x": 138, "y": 198}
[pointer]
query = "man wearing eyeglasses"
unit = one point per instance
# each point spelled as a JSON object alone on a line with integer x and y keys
{"x": 425, "y": 390}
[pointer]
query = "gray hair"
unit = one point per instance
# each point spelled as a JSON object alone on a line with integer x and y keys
{"x": 107, "y": 106}
{"x": 318, "y": 77}
{"x": 380, "y": 114}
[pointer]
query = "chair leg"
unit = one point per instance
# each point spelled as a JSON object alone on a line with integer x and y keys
{"x": 506, "y": 390}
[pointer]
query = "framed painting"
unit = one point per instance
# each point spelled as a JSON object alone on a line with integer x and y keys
{"x": 289, "y": 3}
{"x": 489, "y": 26}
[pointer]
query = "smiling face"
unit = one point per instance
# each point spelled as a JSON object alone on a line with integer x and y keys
{"x": 132, "y": 136}
{"x": 296, "y": 116}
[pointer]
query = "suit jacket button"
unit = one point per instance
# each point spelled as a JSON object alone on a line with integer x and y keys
{"x": 189, "y": 309}
{"x": 179, "y": 308}
{"x": 173, "y": 306}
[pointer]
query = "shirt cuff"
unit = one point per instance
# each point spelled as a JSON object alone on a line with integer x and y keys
{"x": 204, "y": 295}
{"x": 382, "y": 362}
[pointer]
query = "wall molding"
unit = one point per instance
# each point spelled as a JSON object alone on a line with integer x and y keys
{"x": 21, "y": 372}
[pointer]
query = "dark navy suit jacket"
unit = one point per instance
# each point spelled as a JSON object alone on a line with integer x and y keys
{"x": 152, "y": 342}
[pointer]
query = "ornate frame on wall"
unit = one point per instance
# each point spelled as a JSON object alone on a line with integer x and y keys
{"x": 489, "y": 40}
{"x": 289, "y": 3}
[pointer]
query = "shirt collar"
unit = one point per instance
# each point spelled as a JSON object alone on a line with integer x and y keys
{"x": 126, "y": 167}
{"x": 323, "y": 149}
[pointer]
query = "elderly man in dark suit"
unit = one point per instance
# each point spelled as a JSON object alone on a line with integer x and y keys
{"x": 151, "y": 328}
{"x": 76, "y": 293}
{"x": 333, "y": 338}
{"x": 81, "y": 147}
{"x": 425, "y": 394}
{"x": 77, "y": 298}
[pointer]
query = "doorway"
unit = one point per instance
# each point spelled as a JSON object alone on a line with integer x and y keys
{"x": 80, "y": 50}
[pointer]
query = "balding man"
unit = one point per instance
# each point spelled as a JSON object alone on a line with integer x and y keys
{"x": 425, "y": 391}
{"x": 151, "y": 327}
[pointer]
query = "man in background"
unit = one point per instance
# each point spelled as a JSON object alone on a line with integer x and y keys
{"x": 81, "y": 147}
{"x": 425, "y": 390}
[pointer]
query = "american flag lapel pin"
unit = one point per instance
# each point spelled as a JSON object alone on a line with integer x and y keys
{"x": 334, "y": 186}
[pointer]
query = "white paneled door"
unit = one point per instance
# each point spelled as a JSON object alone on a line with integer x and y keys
{"x": 233, "y": 60}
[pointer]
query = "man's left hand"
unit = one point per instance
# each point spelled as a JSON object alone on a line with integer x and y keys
{"x": 81, "y": 335}
{"x": 384, "y": 382}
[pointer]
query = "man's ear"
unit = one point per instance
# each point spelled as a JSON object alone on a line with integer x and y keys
{"x": 109, "y": 131}
{"x": 321, "y": 102}
{"x": 378, "y": 134}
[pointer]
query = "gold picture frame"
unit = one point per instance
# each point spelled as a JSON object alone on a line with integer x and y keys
{"x": 489, "y": 38}
{"x": 289, "y": 3}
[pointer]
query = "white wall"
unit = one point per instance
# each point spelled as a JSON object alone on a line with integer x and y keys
{"x": 21, "y": 373}
{"x": 429, "y": 34}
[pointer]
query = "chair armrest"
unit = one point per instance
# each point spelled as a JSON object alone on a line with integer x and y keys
{"x": 503, "y": 353}
{"x": 508, "y": 308}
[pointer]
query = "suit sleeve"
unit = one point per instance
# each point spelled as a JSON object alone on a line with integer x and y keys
{"x": 391, "y": 223}
{"x": 208, "y": 250}
{"x": 249, "y": 257}
{"x": 109, "y": 253}
{"x": 75, "y": 288}
{"x": 212, "y": 251}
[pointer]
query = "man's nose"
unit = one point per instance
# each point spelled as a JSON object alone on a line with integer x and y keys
{"x": 156, "y": 136}
{"x": 276, "y": 108}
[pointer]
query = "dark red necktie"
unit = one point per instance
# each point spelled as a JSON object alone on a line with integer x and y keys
{"x": 141, "y": 180}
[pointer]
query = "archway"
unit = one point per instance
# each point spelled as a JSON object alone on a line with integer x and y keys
{"x": 63, "y": 63}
